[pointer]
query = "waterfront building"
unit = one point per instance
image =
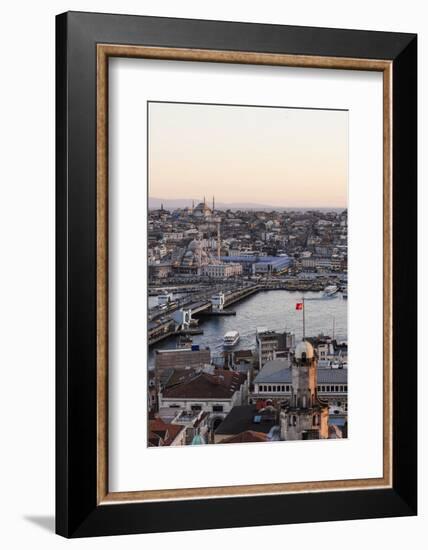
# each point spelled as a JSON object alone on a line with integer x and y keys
{"x": 182, "y": 358}
{"x": 316, "y": 262}
{"x": 272, "y": 344}
{"x": 304, "y": 416}
{"x": 256, "y": 264}
{"x": 215, "y": 392}
{"x": 222, "y": 270}
{"x": 244, "y": 418}
{"x": 267, "y": 265}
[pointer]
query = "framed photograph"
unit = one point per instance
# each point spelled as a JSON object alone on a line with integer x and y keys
{"x": 236, "y": 274}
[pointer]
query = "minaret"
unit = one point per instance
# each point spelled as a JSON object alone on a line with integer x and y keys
{"x": 213, "y": 204}
{"x": 218, "y": 240}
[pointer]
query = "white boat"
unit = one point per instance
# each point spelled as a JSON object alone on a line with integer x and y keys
{"x": 230, "y": 338}
{"x": 330, "y": 290}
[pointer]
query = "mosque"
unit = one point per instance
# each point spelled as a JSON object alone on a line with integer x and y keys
{"x": 202, "y": 210}
{"x": 192, "y": 259}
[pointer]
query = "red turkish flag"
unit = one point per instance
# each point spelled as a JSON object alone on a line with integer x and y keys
{"x": 299, "y": 305}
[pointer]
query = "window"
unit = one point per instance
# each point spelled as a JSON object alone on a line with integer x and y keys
{"x": 196, "y": 407}
{"x": 336, "y": 388}
{"x": 269, "y": 388}
{"x": 273, "y": 388}
{"x": 217, "y": 408}
{"x": 283, "y": 389}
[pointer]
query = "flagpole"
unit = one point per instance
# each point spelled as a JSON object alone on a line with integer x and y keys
{"x": 303, "y": 302}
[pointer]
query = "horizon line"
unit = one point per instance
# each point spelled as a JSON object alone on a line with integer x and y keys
{"x": 255, "y": 205}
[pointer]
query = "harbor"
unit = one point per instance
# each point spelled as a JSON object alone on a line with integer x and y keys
{"x": 251, "y": 313}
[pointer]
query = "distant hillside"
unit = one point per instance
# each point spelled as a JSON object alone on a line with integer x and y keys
{"x": 172, "y": 204}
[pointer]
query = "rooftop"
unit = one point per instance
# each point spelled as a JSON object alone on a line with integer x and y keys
{"x": 162, "y": 433}
{"x": 222, "y": 384}
{"x": 246, "y": 417}
{"x": 272, "y": 373}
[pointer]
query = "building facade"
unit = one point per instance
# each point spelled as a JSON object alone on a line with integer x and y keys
{"x": 222, "y": 270}
{"x": 215, "y": 393}
{"x": 272, "y": 344}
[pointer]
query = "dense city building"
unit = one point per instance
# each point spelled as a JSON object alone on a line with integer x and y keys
{"x": 255, "y": 384}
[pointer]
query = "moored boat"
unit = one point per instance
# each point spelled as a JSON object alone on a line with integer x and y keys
{"x": 330, "y": 290}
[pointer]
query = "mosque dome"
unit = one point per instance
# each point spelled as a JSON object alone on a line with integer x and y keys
{"x": 194, "y": 245}
{"x": 304, "y": 348}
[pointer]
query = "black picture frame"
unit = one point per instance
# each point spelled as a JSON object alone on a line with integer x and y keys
{"x": 77, "y": 511}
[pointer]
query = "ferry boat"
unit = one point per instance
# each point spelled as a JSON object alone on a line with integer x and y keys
{"x": 330, "y": 290}
{"x": 231, "y": 338}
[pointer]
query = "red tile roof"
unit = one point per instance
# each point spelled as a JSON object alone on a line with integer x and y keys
{"x": 222, "y": 384}
{"x": 161, "y": 433}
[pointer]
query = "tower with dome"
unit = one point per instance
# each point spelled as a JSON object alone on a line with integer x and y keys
{"x": 304, "y": 416}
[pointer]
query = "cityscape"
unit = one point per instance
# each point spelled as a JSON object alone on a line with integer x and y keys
{"x": 247, "y": 312}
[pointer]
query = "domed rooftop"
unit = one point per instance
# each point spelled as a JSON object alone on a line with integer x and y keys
{"x": 194, "y": 245}
{"x": 304, "y": 348}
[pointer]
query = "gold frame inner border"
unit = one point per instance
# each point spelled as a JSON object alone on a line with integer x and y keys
{"x": 104, "y": 52}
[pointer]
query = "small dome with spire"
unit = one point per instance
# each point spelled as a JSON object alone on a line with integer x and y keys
{"x": 198, "y": 440}
{"x": 304, "y": 350}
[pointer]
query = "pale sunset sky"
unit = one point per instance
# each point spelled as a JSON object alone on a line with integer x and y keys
{"x": 272, "y": 156}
